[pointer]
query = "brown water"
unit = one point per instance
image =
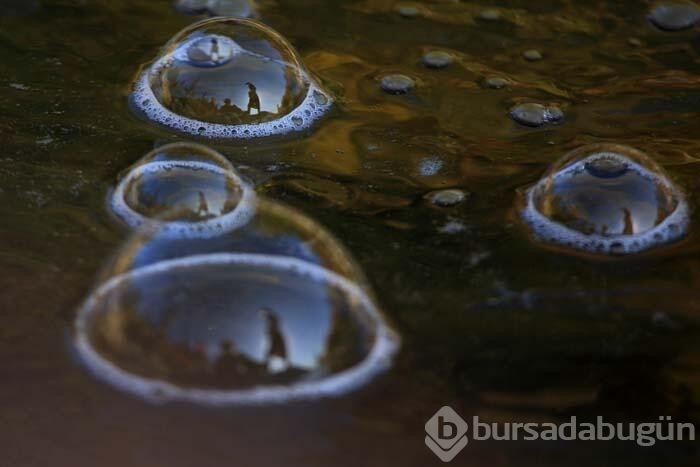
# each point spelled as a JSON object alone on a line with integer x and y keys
{"x": 493, "y": 324}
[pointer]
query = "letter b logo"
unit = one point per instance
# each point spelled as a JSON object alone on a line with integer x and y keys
{"x": 446, "y": 430}
{"x": 446, "y": 434}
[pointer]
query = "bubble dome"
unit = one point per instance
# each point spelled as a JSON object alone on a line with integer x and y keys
{"x": 273, "y": 311}
{"x": 606, "y": 199}
{"x": 272, "y": 228}
{"x": 229, "y": 78}
{"x": 197, "y": 187}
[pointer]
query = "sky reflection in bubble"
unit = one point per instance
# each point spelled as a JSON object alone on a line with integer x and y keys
{"x": 229, "y": 78}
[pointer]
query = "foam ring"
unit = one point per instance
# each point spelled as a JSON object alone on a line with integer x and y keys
{"x": 238, "y": 217}
{"x": 670, "y": 229}
{"x": 378, "y": 359}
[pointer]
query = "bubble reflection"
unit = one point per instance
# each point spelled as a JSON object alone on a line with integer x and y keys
{"x": 232, "y": 79}
{"x": 198, "y": 188}
{"x": 608, "y": 199}
{"x": 232, "y": 329}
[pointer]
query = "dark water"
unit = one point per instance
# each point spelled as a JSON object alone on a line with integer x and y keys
{"x": 493, "y": 324}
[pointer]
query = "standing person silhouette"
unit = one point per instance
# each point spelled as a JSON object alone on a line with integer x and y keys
{"x": 203, "y": 209}
{"x": 276, "y": 353}
{"x": 214, "y": 50}
{"x": 253, "y": 99}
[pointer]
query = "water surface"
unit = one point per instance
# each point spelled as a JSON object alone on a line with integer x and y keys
{"x": 493, "y": 324}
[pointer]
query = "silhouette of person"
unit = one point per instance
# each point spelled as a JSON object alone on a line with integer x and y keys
{"x": 230, "y": 365}
{"x": 253, "y": 99}
{"x": 276, "y": 354}
{"x": 203, "y": 206}
{"x": 214, "y": 50}
{"x": 228, "y": 106}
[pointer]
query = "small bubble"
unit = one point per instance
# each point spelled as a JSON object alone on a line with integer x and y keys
{"x": 606, "y": 167}
{"x": 437, "y": 59}
{"x": 407, "y": 10}
{"x": 211, "y": 50}
{"x": 297, "y": 120}
{"x": 490, "y": 15}
{"x": 554, "y": 113}
{"x": 452, "y": 227}
{"x": 446, "y": 198}
{"x": 191, "y": 6}
{"x": 195, "y": 185}
{"x": 320, "y": 99}
{"x": 237, "y": 8}
{"x": 532, "y": 55}
{"x": 675, "y": 15}
{"x": 495, "y": 82}
{"x": 534, "y": 115}
{"x": 397, "y": 84}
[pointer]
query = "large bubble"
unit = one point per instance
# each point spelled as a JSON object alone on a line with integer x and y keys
{"x": 608, "y": 199}
{"x": 272, "y": 311}
{"x": 229, "y": 78}
{"x": 272, "y": 228}
{"x": 232, "y": 329}
{"x": 196, "y": 186}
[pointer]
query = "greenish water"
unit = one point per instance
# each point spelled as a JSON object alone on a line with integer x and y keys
{"x": 492, "y": 324}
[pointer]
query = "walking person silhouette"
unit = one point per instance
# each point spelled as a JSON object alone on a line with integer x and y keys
{"x": 253, "y": 99}
{"x": 276, "y": 353}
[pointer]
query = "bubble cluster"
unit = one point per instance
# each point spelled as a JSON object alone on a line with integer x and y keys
{"x": 607, "y": 199}
{"x": 675, "y": 15}
{"x": 197, "y": 187}
{"x": 229, "y": 78}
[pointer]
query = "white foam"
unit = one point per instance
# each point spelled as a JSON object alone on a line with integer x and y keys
{"x": 378, "y": 359}
{"x": 315, "y": 104}
{"x": 236, "y": 218}
{"x": 670, "y": 229}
